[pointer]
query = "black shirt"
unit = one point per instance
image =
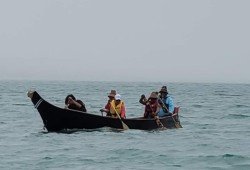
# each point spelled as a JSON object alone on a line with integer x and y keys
{"x": 74, "y": 107}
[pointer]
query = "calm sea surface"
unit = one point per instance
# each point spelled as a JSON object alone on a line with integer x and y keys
{"x": 215, "y": 133}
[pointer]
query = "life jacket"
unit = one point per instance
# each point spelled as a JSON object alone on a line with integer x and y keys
{"x": 150, "y": 108}
{"x": 114, "y": 107}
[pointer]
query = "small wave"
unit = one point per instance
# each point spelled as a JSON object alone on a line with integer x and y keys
{"x": 71, "y": 131}
{"x": 235, "y": 95}
{"x": 226, "y": 156}
{"x": 203, "y": 145}
{"x": 219, "y": 94}
{"x": 227, "y": 95}
{"x": 220, "y": 91}
{"x": 197, "y": 106}
{"x": 242, "y": 167}
{"x": 242, "y": 106}
{"x": 20, "y": 104}
{"x": 232, "y": 156}
{"x": 237, "y": 116}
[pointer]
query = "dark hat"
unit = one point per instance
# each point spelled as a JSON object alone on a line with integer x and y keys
{"x": 164, "y": 89}
{"x": 153, "y": 95}
{"x": 112, "y": 93}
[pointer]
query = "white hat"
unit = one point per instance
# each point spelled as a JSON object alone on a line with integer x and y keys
{"x": 117, "y": 97}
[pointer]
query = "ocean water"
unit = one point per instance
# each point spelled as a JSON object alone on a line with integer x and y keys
{"x": 215, "y": 133}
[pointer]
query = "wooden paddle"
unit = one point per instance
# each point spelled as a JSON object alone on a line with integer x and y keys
{"x": 177, "y": 125}
{"x": 124, "y": 126}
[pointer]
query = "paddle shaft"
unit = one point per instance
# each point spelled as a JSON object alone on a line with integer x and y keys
{"x": 163, "y": 105}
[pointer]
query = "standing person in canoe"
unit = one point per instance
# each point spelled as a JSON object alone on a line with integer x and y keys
{"x": 117, "y": 108}
{"x": 111, "y": 97}
{"x": 72, "y": 103}
{"x": 166, "y": 102}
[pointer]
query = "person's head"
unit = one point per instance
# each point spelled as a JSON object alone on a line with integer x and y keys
{"x": 153, "y": 97}
{"x": 163, "y": 91}
{"x": 67, "y": 98}
{"x": 112, "y": 94}
{"x": 117, "y": 98}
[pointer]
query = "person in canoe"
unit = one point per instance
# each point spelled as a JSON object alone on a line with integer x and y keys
{"x": 111, "y": 97}
{"x": 117, "y": 107}
{"x": 152, "y": 108}
{"x": 166, "y": 102}
{"x": 72, "y": 103}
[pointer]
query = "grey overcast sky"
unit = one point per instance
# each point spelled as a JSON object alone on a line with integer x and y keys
{"x": 125, "y": 40}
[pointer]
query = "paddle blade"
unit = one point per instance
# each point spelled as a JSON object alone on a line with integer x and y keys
{"x": 178, "y": 125}
{"x": 124, "y": 126}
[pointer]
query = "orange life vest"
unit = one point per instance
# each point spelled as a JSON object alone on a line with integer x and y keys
{"x": 115, "y": 108}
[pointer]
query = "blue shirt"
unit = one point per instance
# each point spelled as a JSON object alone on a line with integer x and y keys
{"x": 170, "y": 103}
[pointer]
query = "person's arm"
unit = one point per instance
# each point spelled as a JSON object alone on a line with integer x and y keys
{"x": 143, "y": 99}
{"x": 106, "y": 108}
{"x": 80, "y": 105}
{"x": 73, "y": 102}
{"x": 123, "y": 112}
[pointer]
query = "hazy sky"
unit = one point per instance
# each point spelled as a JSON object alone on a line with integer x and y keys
{"x": 125, "y": 40}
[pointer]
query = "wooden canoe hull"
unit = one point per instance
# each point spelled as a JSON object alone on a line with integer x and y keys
{"x": 57, "y": 119}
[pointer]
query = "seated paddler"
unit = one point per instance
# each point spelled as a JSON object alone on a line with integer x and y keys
{"x": 166, "y": 103}
{"x": 117, "y": 107}
{"x": 72, "y": 103}
{"x": 152, "y": 106}
{"x": 111, "y": 97}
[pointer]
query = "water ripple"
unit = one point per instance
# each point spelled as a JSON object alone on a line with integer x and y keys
{"x": 215, "y": 133}
{"x": 237, "y": 116}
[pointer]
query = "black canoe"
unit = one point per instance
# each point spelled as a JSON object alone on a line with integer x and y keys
{"x": 57, "y": 119}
